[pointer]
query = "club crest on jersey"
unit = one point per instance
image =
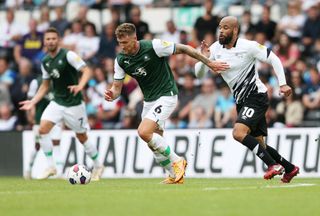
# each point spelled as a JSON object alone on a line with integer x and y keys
{"x": 140, "y": 72}
{"x": 55, "y": 73}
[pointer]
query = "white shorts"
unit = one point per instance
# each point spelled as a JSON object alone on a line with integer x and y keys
{"x": 55, "y": 132}
{"x": 159, "y": 110}
{"x": 74, "y": 117}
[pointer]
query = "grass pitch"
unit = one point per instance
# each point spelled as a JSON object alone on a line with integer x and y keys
{"x": 139, "y": 197}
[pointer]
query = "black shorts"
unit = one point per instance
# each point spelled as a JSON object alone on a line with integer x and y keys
{"x": 252, "y": 113}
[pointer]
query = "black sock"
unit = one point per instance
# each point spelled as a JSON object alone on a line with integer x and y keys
{"x": 279, "y": 159}
{"x": 254, "y": 146}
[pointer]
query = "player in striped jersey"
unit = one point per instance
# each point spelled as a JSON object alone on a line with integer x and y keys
{"x": 249, "y": 92}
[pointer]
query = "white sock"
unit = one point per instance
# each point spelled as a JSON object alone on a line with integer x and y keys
{"x": 165, "y": 162}
{"x": 92, "y": 151}
{"x": 158, "y": 144}
{"x": 33, "y": 155}
{"x": 46, "y": 144}
{"x": 57, "y": 158}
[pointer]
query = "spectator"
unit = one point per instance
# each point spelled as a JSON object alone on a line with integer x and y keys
{"x": 115, "y": 16}
{"x": 246, "y": 24}
{"x": 82, "y": 16}
{"x": 10, "y": 33}
{"x": 44, "y": 21}
{"x": 108, "y": 43}
{"x": 297, "y": 84}
{"x": 311, "y": 93}
{"x": 171, "y": 34}
{"x": 141, "y": 27}
{"x": 290, "y": 111}
{"x": 7, "y": 75}
{"x": 60, "y": 23}
{"x": 292, "y": 23}
{"x": 224, "y": 108}
{"x": 287, "y": 51}
{"x": 200, "y": 119}
{"x": 30, "y": 44}
{"x": 7, "y": 120}
{"x": 207, "y": 22}
{"x": 70, "y": 40}
{"x": 311, "y": 29}
{"x": 57, "y": 3}
{"x": 87, "y": 46}
{"x": 266, "y": 25}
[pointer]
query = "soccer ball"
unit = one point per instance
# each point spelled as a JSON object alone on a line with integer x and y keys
{"x": 79, "y": 174}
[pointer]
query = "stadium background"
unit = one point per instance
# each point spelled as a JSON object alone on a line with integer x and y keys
{"x": 290, "y": 28}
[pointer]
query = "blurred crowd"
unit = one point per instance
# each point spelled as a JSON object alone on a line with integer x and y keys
{"x": 205, "y": 103}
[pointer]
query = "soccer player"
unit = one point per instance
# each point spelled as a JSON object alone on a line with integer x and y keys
{"x": 62, "y": 67}
{"x": 146, "y": 62}
{"x": 55, "y": 133}
{"x": 249, "y": 92}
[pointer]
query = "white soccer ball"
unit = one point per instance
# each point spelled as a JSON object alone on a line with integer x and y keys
{"x": 79, "y": 174}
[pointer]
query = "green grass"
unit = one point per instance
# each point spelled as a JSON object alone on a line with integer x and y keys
{"x": 137, "y": 197}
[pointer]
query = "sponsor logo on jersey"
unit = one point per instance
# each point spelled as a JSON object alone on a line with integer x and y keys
{"x": 126, "y": 61}
{"x": 140, "y": 72}
{"x": 165, "y": 43}
{"x": 47, "y": 64}
{"x": 55, "y": 74}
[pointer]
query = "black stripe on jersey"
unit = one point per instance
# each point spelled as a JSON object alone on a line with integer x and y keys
{"x": 246, "y": 86}
{"x": 249, "y": 76}
{"x": 268, "y": 52}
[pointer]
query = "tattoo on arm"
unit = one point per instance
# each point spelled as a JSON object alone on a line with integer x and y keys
{"x": 180, "y": 48}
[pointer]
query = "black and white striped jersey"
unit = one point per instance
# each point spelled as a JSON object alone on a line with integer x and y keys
{"x": 242, "y": 76}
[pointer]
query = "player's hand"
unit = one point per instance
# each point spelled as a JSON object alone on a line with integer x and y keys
{"x": 205, "y": 48}
{"x": 26, "y": 105}
{"x": 218, "y": 66}
{"x": 285, "y": 90}
{"x": 108, "y": 95}
{"x": 75, "y": 89}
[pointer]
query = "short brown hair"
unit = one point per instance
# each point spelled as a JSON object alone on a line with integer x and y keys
{"x": 52, "y": 30}
{"x": 125, "y": 29}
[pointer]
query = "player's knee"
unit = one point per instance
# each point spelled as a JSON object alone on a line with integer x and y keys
{"x": 43, "y": 130}
{"x": 144, "y": 134}
{"x": 238, "y": 134}
{"x": 82, "y": 137}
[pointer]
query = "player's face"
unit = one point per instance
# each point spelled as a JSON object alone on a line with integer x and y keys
{"x": 51, "y": 41}
{"x": 225, "y": 33}
{"x": 128, "y": 44}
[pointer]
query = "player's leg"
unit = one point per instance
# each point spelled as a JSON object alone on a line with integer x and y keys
{"x": 150, "y": 130}
{"x": 51, "y": 116}
{"x": 290, "y": 169}
{"x": 55, "y": 135}
{"x": 33, "y": 153}
{"x": 250, "y": 115}
{"x": 75, "y": 118}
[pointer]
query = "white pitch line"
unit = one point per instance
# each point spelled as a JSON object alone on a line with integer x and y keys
{"x": 260, "y": 187}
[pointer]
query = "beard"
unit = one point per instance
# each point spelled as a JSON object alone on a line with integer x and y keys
{"x": 225, "y": 39}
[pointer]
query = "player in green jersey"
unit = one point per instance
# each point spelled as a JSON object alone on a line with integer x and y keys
{"x": 55, "y": 133}
{"x": 62, "y": 67}
{"x": 145, "y": 61}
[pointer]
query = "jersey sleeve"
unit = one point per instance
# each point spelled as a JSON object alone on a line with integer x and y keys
{"x": 119, "y": 73}
{"x": 33, "y": 87}
{"x": 259, "y": 51}
{"x": 163, "y": 48}
{"x": 45, "y": 74}
{"x": 75, "y": 60}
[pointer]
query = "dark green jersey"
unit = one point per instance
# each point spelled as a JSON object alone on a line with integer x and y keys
{"x": 63, "y": 71}
{"x": 150, "y": 68}
{"x": 43, "y": 103}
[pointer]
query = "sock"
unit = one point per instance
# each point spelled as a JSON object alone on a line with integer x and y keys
{"x": 165, "y": 162}
{"x": 57, "y": 157}
{"x": 159, "y": 145}
{"x": 46, "y": 144}
{"x": 92, "y": 151}
{"x": 279, "y": 159}
{"x": 33, "y": 155}
{"x": 254, "y": 146}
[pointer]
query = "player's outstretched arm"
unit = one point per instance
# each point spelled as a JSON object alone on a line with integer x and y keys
{"x": 86, "y": 75}
{"x": 213, "y": 65}
{"x": 114, "y": 92}
{"x": 42, "y": 91}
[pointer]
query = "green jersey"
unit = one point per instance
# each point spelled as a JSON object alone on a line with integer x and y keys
{"x": 63, "y": 71}
{"x": 43, "y": 103}
{"x": 150, "y": 68}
